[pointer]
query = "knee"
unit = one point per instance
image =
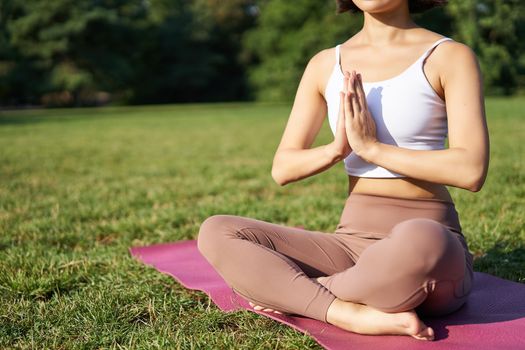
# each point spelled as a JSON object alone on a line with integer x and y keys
{"x": 421, "y": 233}
{"x": 428, "y": 242}
{"x": 212, "y": 234}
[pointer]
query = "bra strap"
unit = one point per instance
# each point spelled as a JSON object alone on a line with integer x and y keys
{"x": 337, "y": 58}
{"x": 429, "y": 51}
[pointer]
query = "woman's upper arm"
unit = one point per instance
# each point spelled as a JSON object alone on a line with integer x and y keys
{"x": 463, "y": 88}
{"x": 309, "y": 107}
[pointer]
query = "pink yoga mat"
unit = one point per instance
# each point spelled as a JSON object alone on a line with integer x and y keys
{"x": 492, "y": 318}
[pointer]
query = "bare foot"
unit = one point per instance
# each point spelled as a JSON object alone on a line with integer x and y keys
{"x": 262, "y": 308}
{"x": 364, "y": 319}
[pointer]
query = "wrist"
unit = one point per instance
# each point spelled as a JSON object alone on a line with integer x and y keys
{"x": 370, "y": 152}
{"x": 332, "y": 153}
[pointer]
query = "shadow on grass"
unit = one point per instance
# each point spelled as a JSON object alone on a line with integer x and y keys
{"x": 504, "y": 263}
{"x": 27, "y": 119}
{"x": 24, "y": 117}
{"x": 38, "y": 115}
{"x": 7, "y": 120}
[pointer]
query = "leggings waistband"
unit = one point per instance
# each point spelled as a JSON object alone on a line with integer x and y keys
{"x": 377, "y": 214}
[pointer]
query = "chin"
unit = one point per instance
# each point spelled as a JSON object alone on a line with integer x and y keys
{"x": 378, "y": 6}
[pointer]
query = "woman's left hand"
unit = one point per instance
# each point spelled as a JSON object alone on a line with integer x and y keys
{"x": 359, "y": 124}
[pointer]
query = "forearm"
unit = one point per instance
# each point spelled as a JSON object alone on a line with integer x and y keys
{"x": 453, "y": 166}
{"x": 291, "y": 165}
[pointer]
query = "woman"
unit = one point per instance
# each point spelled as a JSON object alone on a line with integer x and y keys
{"x": 398, "y": 250}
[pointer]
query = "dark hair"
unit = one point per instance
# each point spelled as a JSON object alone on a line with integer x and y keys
{"x": 413, "y": 5}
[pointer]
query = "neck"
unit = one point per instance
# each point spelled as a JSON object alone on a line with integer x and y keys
{"x": 386, "y": 27}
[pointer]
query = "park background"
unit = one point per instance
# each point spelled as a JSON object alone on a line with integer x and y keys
{"x": 187, "y": 102}
{"x": 81, "y": 53}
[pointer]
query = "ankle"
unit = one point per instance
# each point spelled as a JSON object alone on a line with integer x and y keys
{"x": 339, "y": 312}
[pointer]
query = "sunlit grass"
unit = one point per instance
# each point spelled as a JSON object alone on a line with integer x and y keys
{"x": 79, "y": 187}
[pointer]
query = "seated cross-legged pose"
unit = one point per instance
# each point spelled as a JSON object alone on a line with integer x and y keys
{"x": 392, "y": 93}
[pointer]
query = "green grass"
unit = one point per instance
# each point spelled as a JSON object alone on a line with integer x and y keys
{"x": 79, "y": 187}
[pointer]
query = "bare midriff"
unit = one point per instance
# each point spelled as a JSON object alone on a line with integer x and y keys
{"x": 398, "y": 187}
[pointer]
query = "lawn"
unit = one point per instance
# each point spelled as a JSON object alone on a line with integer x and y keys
{"x": 79, "y": 187}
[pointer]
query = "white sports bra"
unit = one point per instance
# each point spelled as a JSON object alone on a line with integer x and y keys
{"x": 407, "y": 111}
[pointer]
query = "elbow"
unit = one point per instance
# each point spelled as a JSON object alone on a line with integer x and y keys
{"x": 278, "y": 177}
{"x": 279, "y": 173}
{"x": 475, "y": 181}
{"x": 474, "y": 186}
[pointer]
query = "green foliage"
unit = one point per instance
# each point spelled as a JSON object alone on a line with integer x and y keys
{"x": 194, "y": 51}
{"x": 78, "y": 187}
{"x": 494, "y": 29}
{"x": 140, "y": 51}
{"x": 74, "y": 46}
{"x": 287, "y": 35}
{"x": 66, "y": 52}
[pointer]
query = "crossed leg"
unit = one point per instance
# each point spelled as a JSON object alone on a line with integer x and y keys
{"x": 420, "y": 263}
{"x": 280, "y": 268}
{"x": 272, "y": 265}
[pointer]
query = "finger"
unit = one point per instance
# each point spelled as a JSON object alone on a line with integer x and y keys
{"x": 360, "y": 77}
{"x": 356, "y": 107}
{"x": 362, "y": 100}
{"x": 361, "y": 97}
{"x": 351, "y": 83}
{"x": 349, "y": 109}
{"x": 355, "y": 82}
{"x": 345, "y": 81}
{"x": 362, "y": 88}
{"x": 355, "y": 99}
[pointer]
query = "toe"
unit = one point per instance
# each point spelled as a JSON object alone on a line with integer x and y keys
{"x": 261, "y": 308}
{"x": 256, "y": 307}
{"x": 416, "y": 328}
{"x": 426, "y": 334}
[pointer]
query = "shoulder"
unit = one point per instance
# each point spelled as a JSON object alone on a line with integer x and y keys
{"x": 447, "y": 49}
{"x": 455, "y": 50}
{"x": 450, "y": 51}
{"x": 320, "y": 66}
{"x": 462, "y": 57}
{"x": 323, "y": 59}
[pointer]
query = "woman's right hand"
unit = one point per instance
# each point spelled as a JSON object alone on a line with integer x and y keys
{"x": 340, "y": 146}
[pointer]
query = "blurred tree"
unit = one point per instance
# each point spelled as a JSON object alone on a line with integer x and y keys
{"x": 20, "y": 81}
{"x": 437, "y": 20}
{"x": 76, "y": 47}
{"x": 224, "y": 23}
{"x": 173, "y": 60}
{"x": 494, "y": 30}
{"x": 287, "y": 35}
{"x": 193, "y": 51}
{"x": 66, "y": 52}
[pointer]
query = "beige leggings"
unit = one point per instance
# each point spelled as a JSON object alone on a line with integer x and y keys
{"x": 393, "y": 254}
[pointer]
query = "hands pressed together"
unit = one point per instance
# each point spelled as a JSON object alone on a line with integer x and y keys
{"x": 356, "y": 129}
